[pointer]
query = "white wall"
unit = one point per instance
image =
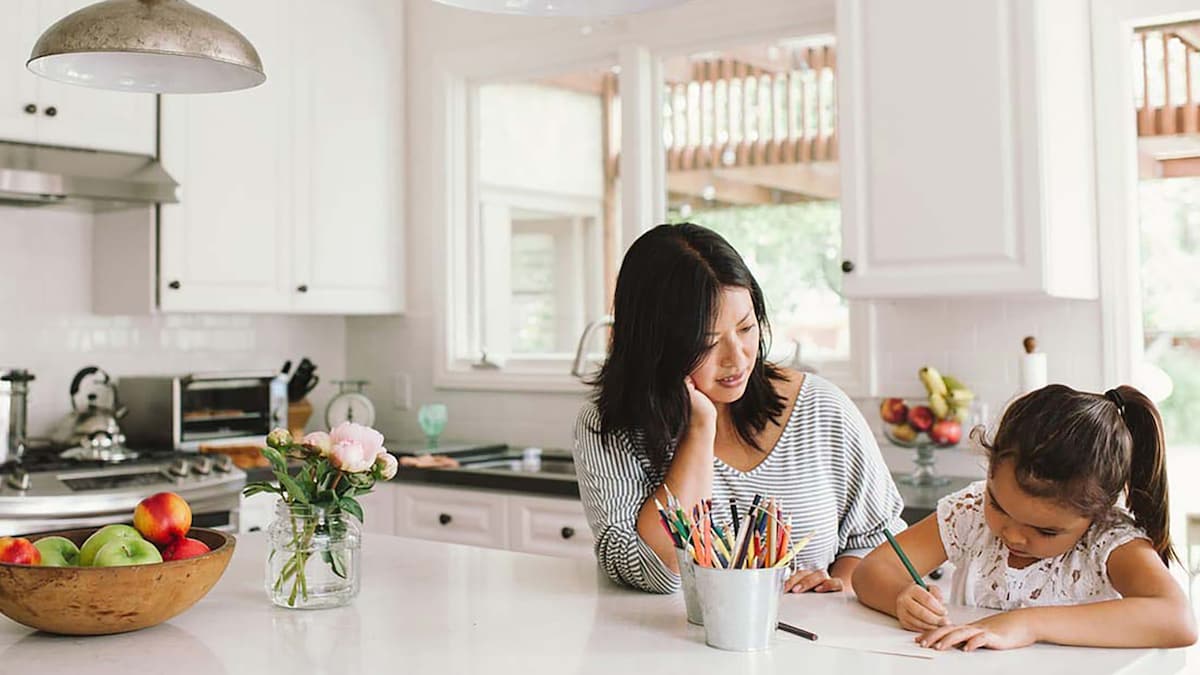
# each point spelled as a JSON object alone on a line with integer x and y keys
{"x": 47, "y": 326}
{"x": 978, "y": 340}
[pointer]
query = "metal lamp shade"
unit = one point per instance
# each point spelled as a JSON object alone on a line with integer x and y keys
{"x": 562, "y": 7}
{"x": 157, "y": 46}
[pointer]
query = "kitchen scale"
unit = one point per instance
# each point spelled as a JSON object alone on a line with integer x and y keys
{"x": 350, "y": 404}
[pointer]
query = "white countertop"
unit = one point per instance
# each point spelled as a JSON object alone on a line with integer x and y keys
{"x": 427, "y": 607}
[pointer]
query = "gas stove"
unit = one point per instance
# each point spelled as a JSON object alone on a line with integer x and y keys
{"x": 46, "y": 492}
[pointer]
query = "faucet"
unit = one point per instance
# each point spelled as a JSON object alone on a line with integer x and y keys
{"x": 581, "y": 351}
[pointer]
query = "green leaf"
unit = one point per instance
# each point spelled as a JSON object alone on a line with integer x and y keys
{"x": 293, "y": 488}
{"x": 351, "y": 506}
{"x": 252, "y": 489}
{"x": 277, "y": 460}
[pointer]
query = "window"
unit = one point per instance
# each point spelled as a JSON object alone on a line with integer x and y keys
{"x": 542, "y": 186}
{"x": 750, "y": 143}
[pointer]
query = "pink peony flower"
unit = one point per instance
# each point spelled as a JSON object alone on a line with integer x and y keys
{"x": 319, "y": 440}
{"x": 387, "y": 465}
{"x": 370, "y": 440}
{"x": 351, "y": 457}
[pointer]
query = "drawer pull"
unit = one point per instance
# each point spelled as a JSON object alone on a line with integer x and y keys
{"x": 568, "y": 532}
{"x": 444, "y": 519}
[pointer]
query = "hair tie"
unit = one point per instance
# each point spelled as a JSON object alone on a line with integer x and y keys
{"x": 1115, "y": 396}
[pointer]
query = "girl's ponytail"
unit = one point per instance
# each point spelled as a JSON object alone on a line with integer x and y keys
{"x": 1147, "y": 489}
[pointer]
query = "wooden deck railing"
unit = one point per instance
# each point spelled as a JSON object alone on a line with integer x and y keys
{"x": 1167, "y": 79}
{"x": 735, "y": 114}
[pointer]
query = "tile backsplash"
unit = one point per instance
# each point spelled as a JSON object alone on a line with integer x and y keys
{"x": 47, "y": 325}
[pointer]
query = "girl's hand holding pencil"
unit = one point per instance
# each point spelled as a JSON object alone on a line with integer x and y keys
{"x": 921, "y": 610}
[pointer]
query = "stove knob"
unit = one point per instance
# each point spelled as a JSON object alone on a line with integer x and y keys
{"x": 202, "y": 465}
{"x": 224, "y": 463}
{"x": 19, "y": 480}
{"x": 179, "y": 468}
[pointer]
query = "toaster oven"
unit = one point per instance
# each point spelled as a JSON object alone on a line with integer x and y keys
{"x": 186, "y": 411}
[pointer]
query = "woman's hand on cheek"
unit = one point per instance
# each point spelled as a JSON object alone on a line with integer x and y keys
{"x": 703, "y": 410}
{"x": 817, "y": 581}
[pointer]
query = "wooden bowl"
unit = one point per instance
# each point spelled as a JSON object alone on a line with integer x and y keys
{"x": 104, "y": 600}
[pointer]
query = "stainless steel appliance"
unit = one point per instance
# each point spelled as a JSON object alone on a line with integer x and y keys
{"x": 186, "y": 411}
{"x": 91, "y": 430}
{"x": 47, "y": 492}
{"x": 14, "y": 401}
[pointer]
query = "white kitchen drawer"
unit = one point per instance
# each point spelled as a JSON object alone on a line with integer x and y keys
{"x": 379, "y": 509}
{"x": 549, "y": 526}
{"x": 458, "y": 516}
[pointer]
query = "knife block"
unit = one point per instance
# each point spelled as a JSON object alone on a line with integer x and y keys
{"x": 298, "y": 414}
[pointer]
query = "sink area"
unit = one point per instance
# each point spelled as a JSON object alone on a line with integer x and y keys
{"x": 548, "y": 465}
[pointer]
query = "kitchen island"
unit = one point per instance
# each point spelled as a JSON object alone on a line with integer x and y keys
{"x": 429, "y": 607}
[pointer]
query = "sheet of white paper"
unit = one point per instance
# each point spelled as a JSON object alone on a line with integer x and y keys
{"x": 859, "y": 628}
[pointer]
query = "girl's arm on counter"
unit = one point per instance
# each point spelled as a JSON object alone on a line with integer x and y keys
{"x": 1153, "y": 612}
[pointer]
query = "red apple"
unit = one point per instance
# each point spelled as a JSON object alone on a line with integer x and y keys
{"x": 893, "y": 410}
{"x": 163, "y": 517}
{"x": 921, "y": 418}
{"x": 19, "y": 551}
{"x": 946, "y": 432}
{"x": 184, "y": 547}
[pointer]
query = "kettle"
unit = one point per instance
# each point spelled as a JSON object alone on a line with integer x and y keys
{"x": 91, "y": 430}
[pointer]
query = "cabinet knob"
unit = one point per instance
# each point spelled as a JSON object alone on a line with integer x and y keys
{"x": 847, "y": 266}
{"x": 51, "y": 111}
{"x": 302, "y": 288}
{"x": 568, "y": 532}
{"x": 444, "y": 519}
{"x": 174, "y": 285}
{"x": 30, "y": 109}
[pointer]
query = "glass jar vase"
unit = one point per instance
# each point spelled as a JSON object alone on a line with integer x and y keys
{"x": 313, "y": 557}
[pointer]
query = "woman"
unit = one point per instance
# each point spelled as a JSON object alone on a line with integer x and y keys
{"x": 686, "y": 399}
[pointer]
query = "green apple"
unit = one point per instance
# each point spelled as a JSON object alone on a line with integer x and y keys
{"x": 126, "y": 552}
{"x": 102, "y": 536}
{"x": 57, "y": 552}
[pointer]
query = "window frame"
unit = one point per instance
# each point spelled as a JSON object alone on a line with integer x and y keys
{"x": 643, "y": 182}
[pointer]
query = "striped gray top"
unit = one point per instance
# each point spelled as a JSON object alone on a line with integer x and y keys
{"x": 825, "y": 470}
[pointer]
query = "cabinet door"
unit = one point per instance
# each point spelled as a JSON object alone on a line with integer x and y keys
{"x": 223, "y": 246}
{"x": 82, "y": 117}
{"x": 929, "y": 148}
{"x": 349, "y": 124}
{"x": 555, "y": 527}
{"x": 445, "y": 514}
{"x": 18, "y": 86}
{"x": 379, "y": 509}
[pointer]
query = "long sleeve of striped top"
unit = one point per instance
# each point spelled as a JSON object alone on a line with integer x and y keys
{"x": 826, "y": 470}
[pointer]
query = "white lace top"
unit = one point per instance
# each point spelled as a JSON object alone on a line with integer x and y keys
{"x": 982, "y": 577}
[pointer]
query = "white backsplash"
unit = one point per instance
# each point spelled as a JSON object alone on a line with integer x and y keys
{"x": 47, "y": 326}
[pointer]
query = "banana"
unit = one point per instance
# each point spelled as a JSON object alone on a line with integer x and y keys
{"x": 933, "y": 381}
{"x": 952, "y": 383}
{"x": 961, "y": 397}
{"x": 939, "y": 406}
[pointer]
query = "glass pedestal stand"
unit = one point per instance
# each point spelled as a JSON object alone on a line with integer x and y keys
{"x": 924, "y": 475}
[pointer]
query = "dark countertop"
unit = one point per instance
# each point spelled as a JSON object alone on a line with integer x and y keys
{"x": 499, "y": 467}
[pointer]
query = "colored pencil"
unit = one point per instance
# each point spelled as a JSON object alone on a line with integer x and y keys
{"x": 912, "y": 571}
{"x": 795, "y": 630}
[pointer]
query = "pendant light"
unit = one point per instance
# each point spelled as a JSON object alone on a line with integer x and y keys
{"x": 158, "y": 46}
{"x": 562, "y": 7}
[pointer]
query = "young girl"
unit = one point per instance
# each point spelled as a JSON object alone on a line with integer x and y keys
{"x": 1044, "y": 538}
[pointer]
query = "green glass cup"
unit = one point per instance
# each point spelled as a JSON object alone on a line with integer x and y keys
{"x": 432, "y": 418}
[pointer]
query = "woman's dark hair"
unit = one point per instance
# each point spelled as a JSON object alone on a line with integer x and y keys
{"x": 666, "y": 302}
{"x": 1086, "y": 450}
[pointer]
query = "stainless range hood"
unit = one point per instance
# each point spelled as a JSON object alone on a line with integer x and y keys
{"x": 35, "y": 175}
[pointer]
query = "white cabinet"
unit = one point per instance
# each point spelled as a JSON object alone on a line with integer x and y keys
{"x": 542, "y": 525}
{"x": 966, "y": 146}
{"x": 291, "y": 192}
{"x": 36, "y": 110}
{"x": 547, "y": 526}
{"x": 459, "y": 516}
{"x": 379, "y": 509}
{"x": 224, "y": 245}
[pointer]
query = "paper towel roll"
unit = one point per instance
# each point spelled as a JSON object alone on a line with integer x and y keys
{"x": 1033, "y": 371}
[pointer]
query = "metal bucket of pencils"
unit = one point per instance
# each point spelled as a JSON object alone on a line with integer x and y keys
{"x": 741, "y": 606}
{"x": 687, "y": 577}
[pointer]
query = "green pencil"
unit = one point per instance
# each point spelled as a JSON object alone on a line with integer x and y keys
{"x": 904, "y": 559}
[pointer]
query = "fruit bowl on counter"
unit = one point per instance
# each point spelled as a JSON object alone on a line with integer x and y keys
{"x": 105, "y": 600}
{"x": 924, "y": 426}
